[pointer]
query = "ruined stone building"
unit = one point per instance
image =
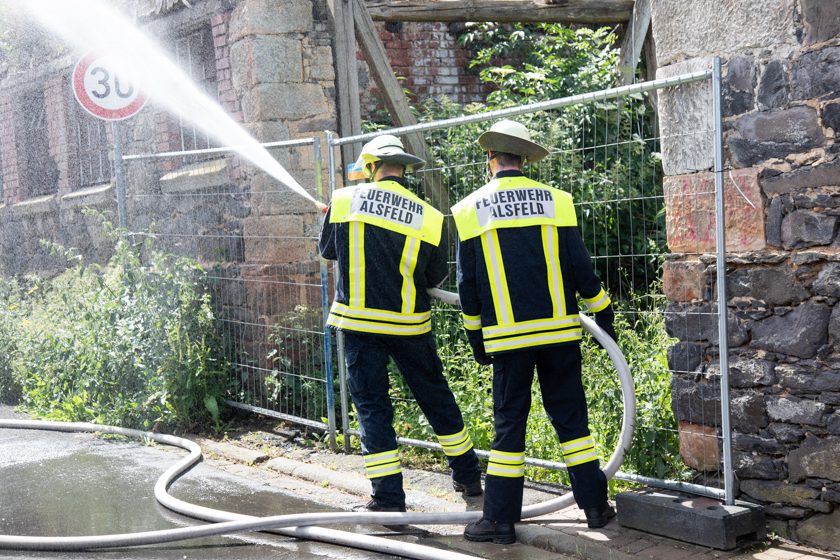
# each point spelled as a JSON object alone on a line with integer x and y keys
{"x": 273, "y": 71}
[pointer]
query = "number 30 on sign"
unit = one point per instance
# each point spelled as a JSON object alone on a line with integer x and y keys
{"x": 101, "y": 90}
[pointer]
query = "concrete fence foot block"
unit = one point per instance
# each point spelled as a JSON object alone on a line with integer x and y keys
{"x": 692, "y": 519}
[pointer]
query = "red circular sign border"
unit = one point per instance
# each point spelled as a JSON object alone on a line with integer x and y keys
{"x": 89, "y": 105}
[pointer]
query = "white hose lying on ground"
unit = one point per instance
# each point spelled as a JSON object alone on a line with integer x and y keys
{"x": 301, "y": 525}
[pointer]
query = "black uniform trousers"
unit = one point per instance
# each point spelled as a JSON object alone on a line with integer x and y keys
{"x": 559, "y": 374}
{"x": 416, "y": 357}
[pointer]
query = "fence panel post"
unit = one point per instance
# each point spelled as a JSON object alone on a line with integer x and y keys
{"x": 325, "y": 307}
{"x": 723, "y": 331}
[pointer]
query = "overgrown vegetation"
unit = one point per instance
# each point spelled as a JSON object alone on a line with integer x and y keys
{"x": 296, "y": 382}
{"x": 131, "y": 343}
{"x": 603, "y": 153}
{"x": 655, "y": 446}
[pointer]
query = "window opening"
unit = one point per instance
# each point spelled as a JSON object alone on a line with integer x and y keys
{"x": 93, "y": 148}
{"x": 39, "y": 172}
{"x": 196, "y": 54}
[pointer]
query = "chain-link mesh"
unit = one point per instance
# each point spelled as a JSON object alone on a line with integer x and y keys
{"x": 607, "y": 151}
{"x": 257, "y": 242}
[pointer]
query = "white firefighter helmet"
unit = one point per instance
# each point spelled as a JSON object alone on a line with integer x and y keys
{"x": 386, "y": 148}
{"x": 512, "y": 137}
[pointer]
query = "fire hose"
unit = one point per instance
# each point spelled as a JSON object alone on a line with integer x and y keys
{"x": 304, "y": 525}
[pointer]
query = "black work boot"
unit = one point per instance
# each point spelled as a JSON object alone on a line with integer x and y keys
{"x": 597, "y": 517}
{"x": 485, "y": 530}
{"x": 373, "y": 505}
{"x": 469, "y": 489}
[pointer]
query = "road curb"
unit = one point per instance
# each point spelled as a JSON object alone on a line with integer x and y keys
{"x": 231, "y": 451}
{"x": 564, "y": 533}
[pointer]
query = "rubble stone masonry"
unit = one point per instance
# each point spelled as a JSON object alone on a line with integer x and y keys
{"x": 781, "y": 109}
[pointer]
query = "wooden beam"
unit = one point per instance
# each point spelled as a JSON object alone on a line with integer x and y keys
{"x": 558, "y": 11}
{"x": 650, "y": 74}
{"x": 347, "y": 76}
{"x": 634, "y": 40}
{"x": 395, "y": 101}
{"x": 380, "y": 66}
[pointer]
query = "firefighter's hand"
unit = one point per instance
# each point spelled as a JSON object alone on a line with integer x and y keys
{"x": 477, "y": 345}
{"x": 481, "y": 357}
{"x": 604, "y": 319}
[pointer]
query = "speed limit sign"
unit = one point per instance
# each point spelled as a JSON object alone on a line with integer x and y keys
{"x": 102, "y": 92}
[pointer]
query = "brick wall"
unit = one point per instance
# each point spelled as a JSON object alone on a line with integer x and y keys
{"x": 227, "y": 96}
{"x": 429, "y": 61}
{"x": 224, "y": 86}
{"x": 59, "y": 130}
{"x": 8, "y": 151}
{"x": 168, "y": 130}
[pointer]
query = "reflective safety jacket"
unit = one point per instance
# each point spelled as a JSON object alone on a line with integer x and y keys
{"x": 387, "y": 242}
{"x": 521, "y": 261}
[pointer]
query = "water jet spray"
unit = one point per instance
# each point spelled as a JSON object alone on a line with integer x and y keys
{"x": 93, "y": 25}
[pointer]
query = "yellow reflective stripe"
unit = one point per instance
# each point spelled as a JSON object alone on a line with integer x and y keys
{"x": 383, "y": 471}
{"x": 498, "y": 278}
{"x": 452, "y": 438}
{"x": 401, "y": 211}
{"x": 552, "y": 264}
{"x": 356, "y": 274}
{"x": 377, "y": 458}
{"x": 382, "y": 464}
{"x": 372, "y": 327}
{"x": 507, "y": 464}
{"x": 577, "y": 444}
{"x": 580, "y": 458}
{"x": 379, "y": 314}
{"x": 471, "y": 322}
{"x": 408, "y": 262}
{"x": 456, "y": 444}
{"x": 534, "y": 325}
{"x": 510, "y": 457}
{"x": 597, "y": 303}
{"x": 501, "y": 470}
{"x": 578, "y": 451}
{"x": 527, "y": 341}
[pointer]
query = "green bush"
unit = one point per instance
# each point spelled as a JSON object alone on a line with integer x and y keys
{"x": 297, "y": 381}
{"x": 642, "y": 338}
{"x": 605, "y": 154}
{"x": 132, "y": 343}
{"x": 11, "y": 315}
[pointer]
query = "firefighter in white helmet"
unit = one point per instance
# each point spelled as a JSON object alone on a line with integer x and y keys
{"x": 390, "y": 248}
{"x": 521, "y": 263}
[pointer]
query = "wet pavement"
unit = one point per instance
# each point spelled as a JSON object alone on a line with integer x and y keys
{"x": 56, "y": 484}
{"x": 63, "y": 484}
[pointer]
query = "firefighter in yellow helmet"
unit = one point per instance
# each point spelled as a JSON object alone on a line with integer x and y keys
{"x": 389, "y": 247}
{"x": 521, "y": 263}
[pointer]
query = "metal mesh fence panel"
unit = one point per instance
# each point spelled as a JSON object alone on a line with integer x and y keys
{"x": 608, "y": 152}
{"x": 258, "y": 245}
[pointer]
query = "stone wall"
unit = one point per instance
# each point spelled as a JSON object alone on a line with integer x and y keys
{"x": 781, "y": 108}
